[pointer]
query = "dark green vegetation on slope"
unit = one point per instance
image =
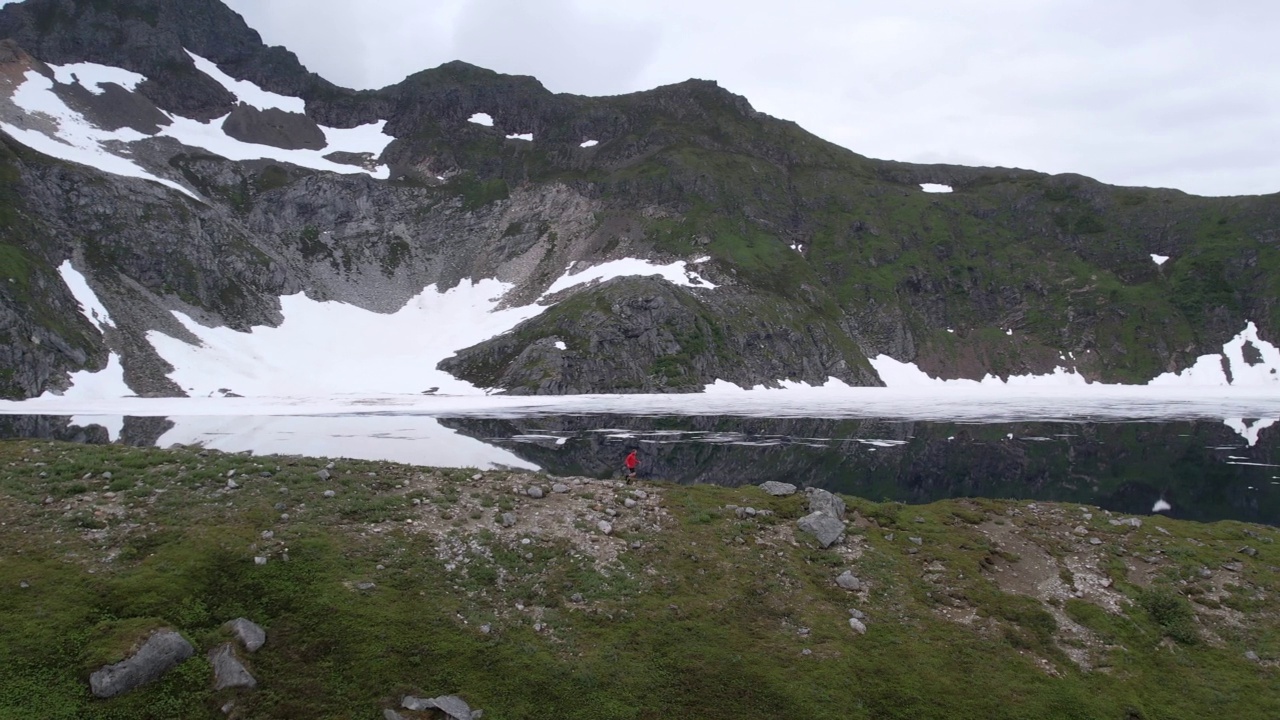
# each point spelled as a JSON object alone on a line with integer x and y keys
{"x": 707, "y": 618}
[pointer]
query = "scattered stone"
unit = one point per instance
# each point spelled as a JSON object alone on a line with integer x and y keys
{"x": 916, "y": 540}
{"x": 825, "y": 502}
{"x": 611, "y": 512}
{"x": 1252, "y": 656}
{"x": 806, "y": 652}
{"x": 534, "y": 492}
{"x": 231, "y": 473}
{"x": 329, "y": 493}
{"x": 232, "y": 485}
{"x": 605, "y": 527}
{"x": 507, "y": 519}
{"x": 284, "y": 517}
{"x": 366, "y": 586}
{"x": 451, "y": 705}
{"x": 324, "y": 474}
{"x": 888, "y": 536}
{"x": 389, "y": 714}
{"x": 1095, "y": 541}
{"x": 576, "y": 598}
{"x": 826, "y": 528}
{"x": 560, "y": 488}
{"x": 1246, "y": 550}
{"x": 268, "y": 534}
{"x": 847, "y": 581}
{"x": 228, "y": 671}
{"x": 857, "y": 614}
{"x": 486, "y": 629}
{"x": 640, "y": 495}
{"x": 1081, "y": 530}
{"x": 636, "y": 545}
{"x": 1131, "y": 522}
{"x": 919, "y": 519}
{"x": 417, "y": 502}
{"x": 858, "y": 626}
{"x": 1233, "y": 567}
{"x": 106, "y": 475}
{"x": 1206, "y": 573}
{"x": 478, "y": 476}
{"x": 935, "y": 567}
{"x": 778, "y": 489}
{"x": 330, "y": 466}
{"x": 259, "y": 560}
{"x": 249, "y": 633}
{"x": 280, "y": 507}
{"x": 24, "y": 584}
{"x": 628, "y": 503}
{"x": 161, "y": 653}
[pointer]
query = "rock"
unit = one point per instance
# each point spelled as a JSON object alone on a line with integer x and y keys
{"x": 228, "y": 707}
{"x": 1081, "y": 530}
{"x": 249, "y": 633}
{"x": 259, "y": 560}
{"x": 1233, "y": 566}
{"x": 825, "y": 502}
{"x": 847, "y": 581}
{"x": 826, "y": 528}
{"x": 161, "y": 653}
{"x": 1252, "y": 656}
{"x": 478, "y": 476}
{"x": 935, "y": 567}
{"x": 640, "y": 495}
{"x": 366, "y": 586}
{"x": 486, "y": 629}
{"x": 268, "y": 534}
{"x": 106, "y": 475}
{"x": 605, "y": 527}
{"x": 1131, "y": 522}
{"x": 1206, "y": 572}
{"x": 628, "y": 503}
{"x": 228, "y": 671}
{"x": 451, "y": 705}
{"x": 857, "y": 614}
{"x": 232, "y": 484}
{"x": 806, "y": 652}
{"x": 916, "y": 540}
{"x": 919, "y": 519}
{"x": 858, "y": 626}
{"x": 576, "y": 598}
{"x": 1095, "y": 541}
{"x": 636, "y": 545}
{"x": 324, "y": 474}
{"x": 778, "y": 489}
{"x": 329, "y": 493}
{"x": 390, "y": 714}
{"x": 24, "y": 584}
{"x": 1246, "y": 550}
{"x": 534, "y": 492}
{"x": 560, "y": 488}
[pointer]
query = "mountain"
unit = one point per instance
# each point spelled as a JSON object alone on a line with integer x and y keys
{"x": 184, "y": 210}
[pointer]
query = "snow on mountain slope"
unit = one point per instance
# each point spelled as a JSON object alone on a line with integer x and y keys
{"x": 108, "y": 382}
{"x": 75, "y": 138}
{"x": 1208, "y": 369}
{"x": 677, "y": 273}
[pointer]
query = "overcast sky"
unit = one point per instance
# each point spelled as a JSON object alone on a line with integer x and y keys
{"x": 1167, "y": 93}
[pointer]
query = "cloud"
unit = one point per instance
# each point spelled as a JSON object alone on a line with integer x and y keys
{"x": 1180, "y": 93}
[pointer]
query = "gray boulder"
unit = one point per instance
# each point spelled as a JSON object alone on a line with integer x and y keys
{"x": 161, "y": 653}
{"x": 847, "y": 581}
{"x": 228, "y": 671}
{"x": 250, "y": 634}
{"x": 825, "y": 502}
{"x": 778, "y": 489}
{"x": 451, "y": 705}
{"x": 822, "y": 526}
{"x": 535, "y": 492}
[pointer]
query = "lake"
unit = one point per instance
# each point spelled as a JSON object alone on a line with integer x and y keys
{"x": 1126, "y": 457}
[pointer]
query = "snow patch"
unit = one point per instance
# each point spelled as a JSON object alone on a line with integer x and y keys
{"x": 561, "y": 346}
{"x": 106, "y": 384}
{"x": 897, "y": 374}
{"x": 935, "y": 188}
{"x": 1161, "y": 506}
{"x": 589, "y": 143}
{"x": 482, "y": 119}
{"x": 92, "y": 76}
{"x": 676, "y": 273}
{"x": 247, "y": 92}
{"x": 1207, "y": 369}
{"x": 1159, "y": 259}
{"x": 724, "y": 387}
{"x": 521, "y": 136}
{"x": 90, "y": 305}
{"x": 76, "y": 139}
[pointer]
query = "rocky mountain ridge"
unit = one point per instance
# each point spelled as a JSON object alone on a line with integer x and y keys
{"x": 821, "y": 259}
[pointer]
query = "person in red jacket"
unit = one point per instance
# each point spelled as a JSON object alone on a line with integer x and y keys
{"x": 631, "y": 462}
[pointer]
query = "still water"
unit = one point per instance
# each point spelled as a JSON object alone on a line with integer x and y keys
{"x": 1203, "y": 469}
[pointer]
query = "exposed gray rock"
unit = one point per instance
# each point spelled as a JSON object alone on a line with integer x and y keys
{"x": 1250, "y": 551}
{"x": 1233, "y": 566}
{"x": 274, "y": 127}
{"x": 161, "y": 653}
{"x": 324, "y": 474}
{"x": 1252, "y": 656}
{"x": 779, "y": 489}
{"x": 249, "y": 633}
{"x": 534, "y": 492}
{"x": 329, "y": 493}
{"x": 451, "y": 705}
{"x": 857, "y": 614}
{"x": 848, "y": 581}
{"x": 822, "y": 526}
{"x": 559, "y": 488}
{"x": 228, "y": 671}
{"x": 605, "y": 527}
{"x": 1130, "y": 522}
{"x": 366, "y": 586}
{"x": 858, "y": 626}
{"x": 825, "y": 502}
{"x": 390, "y": 714}
{"x": 916, "y": 540}
{"x": 507, "y": 519}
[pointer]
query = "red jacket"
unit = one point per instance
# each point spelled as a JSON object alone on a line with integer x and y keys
{"x": 632, "y": 461}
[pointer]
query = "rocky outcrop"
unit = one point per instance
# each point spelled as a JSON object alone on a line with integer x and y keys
{"x": 249, "y": 633}
{"x": 163, "y": 651}
{"x": 228, "y": 671}
{"x": 274, "y": 127}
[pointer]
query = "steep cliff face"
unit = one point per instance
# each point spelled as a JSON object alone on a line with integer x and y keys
{"x": 821, "y": 258}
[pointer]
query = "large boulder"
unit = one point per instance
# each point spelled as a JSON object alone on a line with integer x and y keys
{"x": 249, "y": 633}
{"x": 825, "y": 528}
{"x": 825, "y": 502}
{"x": 161, "y": 653}
{"x": 773, "y": 487}
{"x": 274, "y": 127}
{"x": 228, "y": 671}
{"x": 451, "y": 705}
